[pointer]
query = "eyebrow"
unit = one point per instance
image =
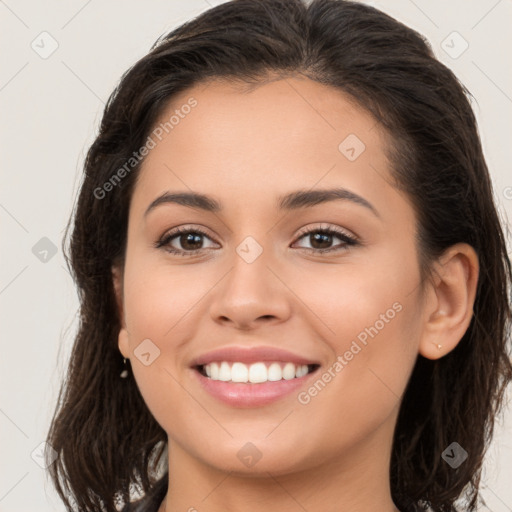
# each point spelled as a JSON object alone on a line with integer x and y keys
{"x": 292, "y": 201}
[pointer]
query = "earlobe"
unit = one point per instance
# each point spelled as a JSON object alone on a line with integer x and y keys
{"x": 449, "y": 308}
{"x": 123, "y": 343}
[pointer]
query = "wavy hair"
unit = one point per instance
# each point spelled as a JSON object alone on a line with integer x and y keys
{"x": 105, "y": 436}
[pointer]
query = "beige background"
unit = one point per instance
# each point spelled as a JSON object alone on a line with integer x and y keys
{"x": 50, "y": 110}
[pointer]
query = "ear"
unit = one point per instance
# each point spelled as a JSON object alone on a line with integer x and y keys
{"x": 450, "y": 300}
{"x": 117, "y": 279}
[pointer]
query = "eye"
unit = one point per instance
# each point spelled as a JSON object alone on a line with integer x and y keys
{"x": 323, "y": 236}
{"x": 188, "y": 238}
{"x": 191, "y": 242}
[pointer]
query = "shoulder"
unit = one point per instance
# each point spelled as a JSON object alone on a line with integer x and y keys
{"x": 150, "y": 502}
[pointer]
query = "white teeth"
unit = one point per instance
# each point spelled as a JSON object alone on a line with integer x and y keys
{"x": 239, "y": 372}
{"x": 274, "y": 372}
{"x": 257, "y": 372}
{"x": 289, "y": 371}
{"x": 254, "y": 373}
{"x": 224, "y": 371}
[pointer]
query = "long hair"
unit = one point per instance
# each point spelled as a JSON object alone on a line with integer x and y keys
{"x": 105, "y": 436}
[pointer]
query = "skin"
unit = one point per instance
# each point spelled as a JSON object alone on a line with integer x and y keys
{"x": 246, "y": 149}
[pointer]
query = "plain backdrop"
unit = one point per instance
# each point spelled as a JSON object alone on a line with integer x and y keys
{"x": 60, "y": 62}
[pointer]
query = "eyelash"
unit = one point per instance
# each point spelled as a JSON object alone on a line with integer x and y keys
{"x": 166, "y": 239}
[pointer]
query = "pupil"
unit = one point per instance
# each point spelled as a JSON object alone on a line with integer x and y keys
{"x": 189, "y": 237}
{"x": 318, "y": 236}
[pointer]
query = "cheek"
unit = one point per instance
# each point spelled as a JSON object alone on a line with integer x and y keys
{"x": 370, "y": 322}
{"x": 159, "y": 297}
{"x": 361, "y": 300}
{"x": 159, "y": 314}
{"x": 363, "y": 385}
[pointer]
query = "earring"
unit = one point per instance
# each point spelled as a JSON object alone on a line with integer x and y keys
{"x": 124, "y": 373}
{"x": 438, "y": 346}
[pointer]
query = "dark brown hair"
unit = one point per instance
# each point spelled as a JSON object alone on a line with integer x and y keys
{"x": 104, "y": 434}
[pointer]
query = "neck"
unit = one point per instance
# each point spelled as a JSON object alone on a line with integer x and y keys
{"x": 354, "y": 480}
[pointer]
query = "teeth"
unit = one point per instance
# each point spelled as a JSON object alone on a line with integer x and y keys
{"x": 254, "y": 373}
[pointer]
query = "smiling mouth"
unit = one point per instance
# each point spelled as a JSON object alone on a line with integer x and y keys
{"x": 255, "y": 373}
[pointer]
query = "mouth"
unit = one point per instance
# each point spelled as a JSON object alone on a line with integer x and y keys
{"x": 254, "y": 373}
{"x": 253, "y": 385}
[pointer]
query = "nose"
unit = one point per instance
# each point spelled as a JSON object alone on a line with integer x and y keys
{"x": 251, "y": 294}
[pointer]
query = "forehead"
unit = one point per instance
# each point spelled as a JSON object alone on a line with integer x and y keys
{"x": 247, "y": 145}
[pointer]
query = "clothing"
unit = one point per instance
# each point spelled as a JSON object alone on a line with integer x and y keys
{"x": 152, "y": 501}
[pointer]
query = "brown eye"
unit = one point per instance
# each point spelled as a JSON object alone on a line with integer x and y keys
{"x": 322, "y": 238}
{"x": 189, "y": 241}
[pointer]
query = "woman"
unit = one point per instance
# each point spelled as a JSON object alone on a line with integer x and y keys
{"x": 293, "y": 279}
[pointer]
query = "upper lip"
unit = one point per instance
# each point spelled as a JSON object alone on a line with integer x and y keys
{"x": 251, "y": 355}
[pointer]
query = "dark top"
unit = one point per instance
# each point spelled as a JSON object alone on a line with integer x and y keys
{"x": 152, "y": 501}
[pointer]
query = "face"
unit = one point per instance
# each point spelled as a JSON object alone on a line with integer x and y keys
{"x": 257, "y": 273}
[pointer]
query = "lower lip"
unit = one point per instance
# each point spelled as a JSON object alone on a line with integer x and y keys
{"x": 246, "y": 394}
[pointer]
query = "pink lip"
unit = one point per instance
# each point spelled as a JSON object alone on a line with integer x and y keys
{"x": 242, "y": 394}
{"x": 251, "y": 355}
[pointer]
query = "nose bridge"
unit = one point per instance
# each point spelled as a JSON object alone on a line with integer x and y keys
{"x": 250, "y": 289}
{"x": 249, "y": 266}
{"x": 254, "y": 244}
